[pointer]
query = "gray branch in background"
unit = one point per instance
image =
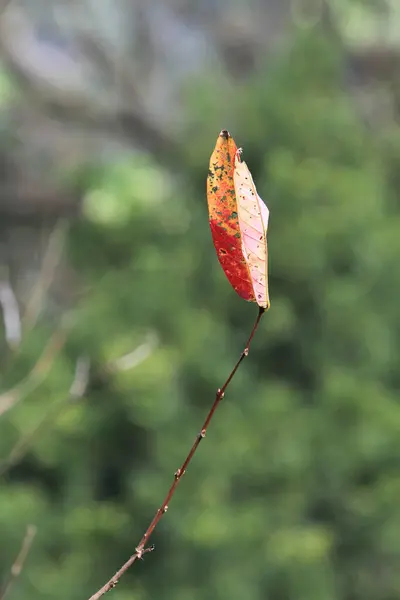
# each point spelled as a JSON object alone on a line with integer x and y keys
{"x": 18, "y": 564}
{"x": 11, "y": 315}
{"x": 136, "y": 357}
{"x": 76, "y": 392}
{"x": 81, "y": 378}
{"x": 56, "y": 83}
{"x": 50, "y": 263}
{"x": 14, "y": 395}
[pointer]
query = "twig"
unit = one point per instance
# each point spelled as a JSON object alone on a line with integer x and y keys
{"x": 14, "y": 395}
{"x": 81, "y": 379}
{"x": 50, "y": 263}
{"x": 16, "y": 568}
{"x": 136, "y": 357}
{"x": 76, "y": 391}
{"x": 131, "y": 124}
{"x": 11, "y": 316}
{"x": 141, "y": 549}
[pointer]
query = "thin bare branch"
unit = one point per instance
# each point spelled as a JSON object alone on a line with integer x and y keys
{"x": 76, "y": 391}
{"x": 136, "y": 357}
{"x": 81, "y": 378}
{"x": 50, "y": 263}
{"x": 141, "y": 548}
{"x": 11, "y": 316}
{"x": 18, "y": 564}
{"x": 39, "y": 372}
{"x": 130, "y": 123}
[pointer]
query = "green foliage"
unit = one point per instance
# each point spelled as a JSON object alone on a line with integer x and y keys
{"x": 294, "y": 494}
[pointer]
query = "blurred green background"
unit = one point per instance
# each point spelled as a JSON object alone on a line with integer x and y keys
{"x": 119, "y": 325}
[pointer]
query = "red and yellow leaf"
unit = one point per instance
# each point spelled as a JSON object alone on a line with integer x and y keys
{"x": 224, "y": 219}
{"x": 253, "y": 223}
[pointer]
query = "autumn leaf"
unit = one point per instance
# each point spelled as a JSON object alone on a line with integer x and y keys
{"x": 238, "y": 221}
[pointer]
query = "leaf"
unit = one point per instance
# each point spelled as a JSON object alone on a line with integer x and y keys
{"x": 253, "y": 223}
{"x": 238, "y": 221}
{"x": 223, "y": 216}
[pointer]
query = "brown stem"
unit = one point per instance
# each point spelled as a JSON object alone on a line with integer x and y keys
{"x": 19, "y": 561}
{"x": 140, "y": 549}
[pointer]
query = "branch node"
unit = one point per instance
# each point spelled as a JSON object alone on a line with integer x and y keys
{"x": 141, "y": 551}
{"x": 246, "y": 352}
{"x": 220, "y": 393}
{"x": 177, "y": 474}
{"x": 202, "y": 434}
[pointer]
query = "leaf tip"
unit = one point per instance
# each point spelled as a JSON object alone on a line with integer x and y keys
{"x": 225, "y": 134}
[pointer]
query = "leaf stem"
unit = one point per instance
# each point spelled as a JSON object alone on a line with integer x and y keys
{"x": 141, "y": 548}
